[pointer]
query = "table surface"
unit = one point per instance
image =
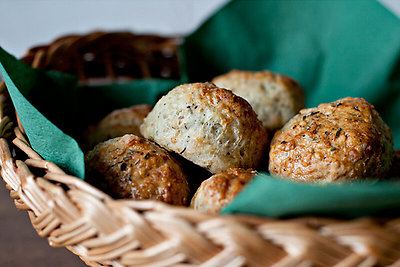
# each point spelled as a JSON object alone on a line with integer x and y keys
{"x": 21, "y": 246}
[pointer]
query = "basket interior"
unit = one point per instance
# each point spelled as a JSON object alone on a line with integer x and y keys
{"x": 101, "y": 58}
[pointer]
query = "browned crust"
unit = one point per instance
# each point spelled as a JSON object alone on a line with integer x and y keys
{"x": 208, "y": 125}
{"x": 132, "y": 167}
{"x": 224, "y": 98}
{"x": 272, "y": 77}
{"x": 220, "y": 189}
{"x": 346, "y": 139}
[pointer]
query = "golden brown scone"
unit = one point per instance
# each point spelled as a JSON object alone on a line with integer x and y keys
{"x": 117, "y": 123}
{"x": 219, "y": 190}
{"x": 210, "y": 126}
{"x": 395, "y": 170}
{"x": 132, "y": 167}
{"x": 274, "y": 97}
{"x": 342, "y": 140}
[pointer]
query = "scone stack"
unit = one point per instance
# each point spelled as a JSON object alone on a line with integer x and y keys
{"x": 224, "y": 128}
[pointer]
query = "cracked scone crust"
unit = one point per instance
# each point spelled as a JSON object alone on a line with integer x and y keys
{"x": 342, "y": 140}
{"x": 116, "y": 124}
{"x": 219, "y": 190}
{"x": 132, "y": 167}
{"x": 210, "y": 126}
{"x": 274, "y": 97}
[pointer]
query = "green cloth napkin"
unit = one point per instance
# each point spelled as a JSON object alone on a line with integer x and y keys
{"x": 275, "y": 197}
{"x": 97, "y": 101}
{"x": 333, "y": 48}
{"x": 52, "y": 107}
{"x": 53, "y": 92}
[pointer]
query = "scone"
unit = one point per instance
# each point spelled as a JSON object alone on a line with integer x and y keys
{"x": 219, "y": 190}
{"x": 274, "y": 97}
{"x": 342, "y": 140}
{"x": 132, "y": 167}
{"x": 207, "y": 125}
{"x": 117, "y": 123}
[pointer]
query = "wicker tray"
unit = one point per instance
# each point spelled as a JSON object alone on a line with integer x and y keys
{"x": 107, "y": 232}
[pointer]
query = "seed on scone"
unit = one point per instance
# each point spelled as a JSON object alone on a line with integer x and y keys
{"x": 210, "y": 126}
{"x": 342, "y": 140}
{"x": 133, "y": 167}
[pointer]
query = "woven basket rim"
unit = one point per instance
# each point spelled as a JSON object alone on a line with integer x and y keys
{"x": 103, "y": 231}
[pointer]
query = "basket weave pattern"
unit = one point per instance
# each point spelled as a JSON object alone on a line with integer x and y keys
{"x": 108, "y": 57}
{"x": 107, "y": 232}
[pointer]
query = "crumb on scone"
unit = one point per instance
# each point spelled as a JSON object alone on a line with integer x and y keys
{"x": 342, "y": 140}
{"x": 210, "y": 126}
{"x": 133, "y": 167}
{"x": 219, "y": 190}
{"x": 275, "y": 98}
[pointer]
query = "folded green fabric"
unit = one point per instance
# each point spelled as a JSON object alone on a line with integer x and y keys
{"x": 274, "y": 197}
{"x": 52, "y": 107}
{"x": 55, "y": 94}
{"x": 97, "y": 101}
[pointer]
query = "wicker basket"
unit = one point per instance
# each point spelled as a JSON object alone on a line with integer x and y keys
{"x": 107, "y": 232}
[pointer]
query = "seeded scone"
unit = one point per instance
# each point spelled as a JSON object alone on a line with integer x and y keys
{"x": 219, "y": 190}
{"x": 207, "y": 125}
{"x": 274, "y": 97}
{"x": 133, "y": 167}
{"x": 116, "y": 124}
{"x": 342, "y": 140}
